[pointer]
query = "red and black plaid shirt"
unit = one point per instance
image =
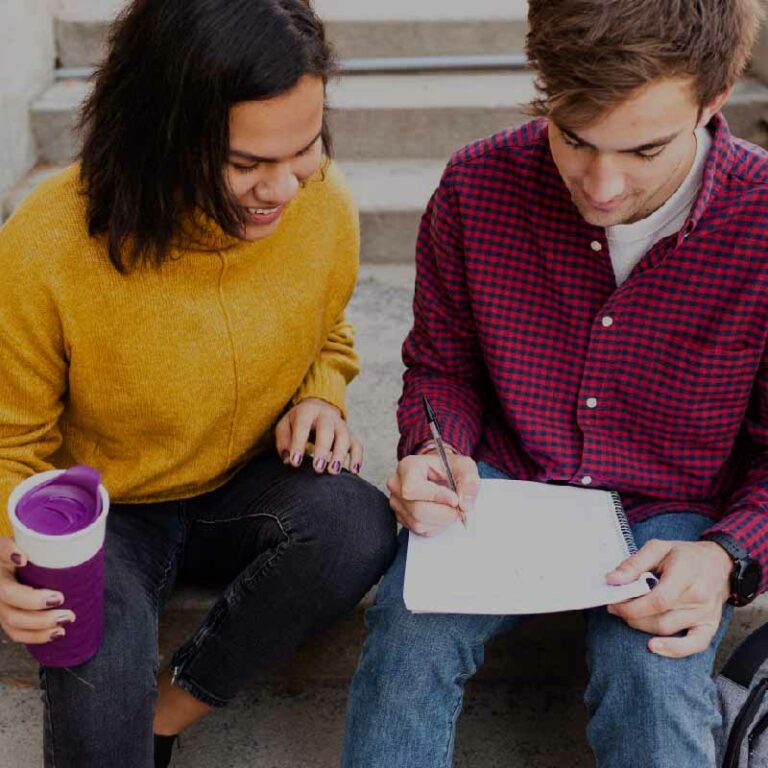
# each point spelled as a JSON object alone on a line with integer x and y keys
{"x": 535, "y": 361}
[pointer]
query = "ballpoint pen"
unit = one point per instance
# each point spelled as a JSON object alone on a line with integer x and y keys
{"x": 437, "y": 437}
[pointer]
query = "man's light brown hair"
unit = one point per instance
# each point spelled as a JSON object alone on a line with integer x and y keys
{"x": 590, "y": 55}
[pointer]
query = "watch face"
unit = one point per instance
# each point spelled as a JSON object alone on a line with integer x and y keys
{"x": 747, "y": 580}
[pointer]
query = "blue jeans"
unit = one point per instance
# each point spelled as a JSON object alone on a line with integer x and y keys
{"x": 291, "y": 551}
{"x": 645, "y": 711}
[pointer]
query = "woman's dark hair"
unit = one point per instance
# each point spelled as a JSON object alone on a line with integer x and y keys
{"x": 156, "y": 125}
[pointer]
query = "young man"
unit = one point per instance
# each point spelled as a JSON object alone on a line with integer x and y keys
{"x": 592, "y": 308}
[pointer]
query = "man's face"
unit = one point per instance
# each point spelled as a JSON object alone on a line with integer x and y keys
{"x": 627, "y": 164}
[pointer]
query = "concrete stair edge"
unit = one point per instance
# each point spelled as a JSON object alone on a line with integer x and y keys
{"x": 403, "y": 117}
{"x": 549, "y": 648}
{"x": 81, "y": 30}
{"x": 371, "y": 117}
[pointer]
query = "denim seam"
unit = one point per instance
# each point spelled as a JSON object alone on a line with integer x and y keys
{"x": 49, "y": 723}
{"x": 172, "y": 560}
{"x": 277, "y": 549}
{"x": 210, "y": 626}
{"x": 249, "y": 516}
{"x": 200, "y": 693}
{"x": 453, "y": 718}
{"x": 460, "y": 698}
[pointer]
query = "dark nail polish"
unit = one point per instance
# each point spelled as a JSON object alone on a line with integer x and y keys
{"x": 62, "y": 622}
{"x": 53, "y": 602}
{"x": 285, "y": 455}
{"x": 16, "y": 558}
{"x": 356, "y": 468}
{"x": 58, "y": 634}
{"x": 296, "y": 459}
{"x": 320, "y": 464}
{"x": 336, "y": 467}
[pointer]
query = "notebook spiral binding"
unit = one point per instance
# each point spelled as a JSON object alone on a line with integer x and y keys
{"x": 621, "y": 517}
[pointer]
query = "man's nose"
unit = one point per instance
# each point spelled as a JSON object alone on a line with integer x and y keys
{"x": 604, "y": 181}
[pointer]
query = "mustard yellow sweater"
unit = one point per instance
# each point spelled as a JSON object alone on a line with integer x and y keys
{"x": 167, "y": 380}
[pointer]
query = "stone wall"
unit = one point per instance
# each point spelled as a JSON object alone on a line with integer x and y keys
{"x": 27, "y": 58}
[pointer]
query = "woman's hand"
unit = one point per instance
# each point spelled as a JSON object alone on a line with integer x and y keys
{"x": 26, "y": 614}
{"x": 331, "y": 436}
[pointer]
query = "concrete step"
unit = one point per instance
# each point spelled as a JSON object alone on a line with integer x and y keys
{"x": 357, "y": 29}
{"x": 525, "y": 725}
{"x": 391, "y": 196}
{"x": 400, "y": 117}
{"x": 372, "y": 116}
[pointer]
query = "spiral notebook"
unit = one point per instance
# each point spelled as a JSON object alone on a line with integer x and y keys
{"x": 528, "y": 548}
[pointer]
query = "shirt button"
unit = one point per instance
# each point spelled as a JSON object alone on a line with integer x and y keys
{"x": 596, "y": 245}
{"x": 607, "y": 322}
{"x": 591, "y": 402}
{"x": 586, "y": 480}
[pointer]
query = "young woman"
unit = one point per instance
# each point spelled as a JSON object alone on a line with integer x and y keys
{"x": 172, "y": 310}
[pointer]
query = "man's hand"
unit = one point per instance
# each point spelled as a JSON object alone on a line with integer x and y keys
{"x": 332, "y": 438}
{"x": 693, "y": 586}
{"x": 421, "y": 498}
{"x": 25, "y": 613}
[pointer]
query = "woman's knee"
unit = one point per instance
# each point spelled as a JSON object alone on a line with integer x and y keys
{"x": 351, "y": 525}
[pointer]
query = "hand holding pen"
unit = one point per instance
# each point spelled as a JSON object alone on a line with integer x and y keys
{"x": 440, "y": 445}
{"x": 420, "y": 495}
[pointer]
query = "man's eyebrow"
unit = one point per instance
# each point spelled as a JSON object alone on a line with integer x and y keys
{"x": 655, "y": 144}
{"x": 257, "y": 159}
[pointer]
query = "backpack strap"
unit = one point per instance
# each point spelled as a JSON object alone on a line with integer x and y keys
{"x": 747, "y": 658}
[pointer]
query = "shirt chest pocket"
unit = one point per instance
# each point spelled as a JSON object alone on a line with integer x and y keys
{"x": 689, "y": 398}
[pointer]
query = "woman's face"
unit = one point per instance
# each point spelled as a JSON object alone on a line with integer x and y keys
{"x": 274, "y": 145}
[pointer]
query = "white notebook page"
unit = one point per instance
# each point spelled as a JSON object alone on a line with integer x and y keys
{"x": 528, "y": 548}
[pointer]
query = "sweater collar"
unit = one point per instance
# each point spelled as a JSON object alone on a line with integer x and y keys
{"x": 199, "y": 232}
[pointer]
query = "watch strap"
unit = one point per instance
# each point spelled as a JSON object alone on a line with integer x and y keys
{"x": 728, "y": 543}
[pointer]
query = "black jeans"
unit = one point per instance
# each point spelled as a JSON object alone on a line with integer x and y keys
{"x": 293, "y": 551}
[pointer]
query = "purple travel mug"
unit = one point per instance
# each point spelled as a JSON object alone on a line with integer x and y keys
{"x": 59, "y": 520}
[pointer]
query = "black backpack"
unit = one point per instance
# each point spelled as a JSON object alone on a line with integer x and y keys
{"x": 742, "y": 691}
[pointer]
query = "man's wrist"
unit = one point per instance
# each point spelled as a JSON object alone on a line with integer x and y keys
{"x": 746, "y": 572}
{"x": 724, "y": 567}
{"x": 431, "y": 447}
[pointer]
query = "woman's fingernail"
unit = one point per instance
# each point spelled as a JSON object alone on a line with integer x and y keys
{"x": 16, "y": 558}
{"x": 57, "y": 634}
{"x": 320, "y": 464}
{"x": 296, "y": 459}
{"x": 54, "y": 602}
{"x": 336, "y": 467}
{"x": 285, "y": 456}
{"x": 62, "y": 621}
{"x": 356, "y": 468}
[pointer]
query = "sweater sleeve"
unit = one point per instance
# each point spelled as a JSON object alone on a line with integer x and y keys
{"x": 33, "y": 375}
{"x": 337, "y": 362}
{"x": 335, "y": 366}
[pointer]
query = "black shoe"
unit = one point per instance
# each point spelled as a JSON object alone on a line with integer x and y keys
{"x": 163, "y": 749}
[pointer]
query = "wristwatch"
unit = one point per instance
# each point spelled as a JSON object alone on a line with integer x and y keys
{"x": 746, "y": 573}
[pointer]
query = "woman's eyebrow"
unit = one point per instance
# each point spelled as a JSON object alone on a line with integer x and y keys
{"x": 257, "y": 159}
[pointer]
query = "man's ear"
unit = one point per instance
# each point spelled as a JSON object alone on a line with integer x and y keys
{"x": 714, "y": 106}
